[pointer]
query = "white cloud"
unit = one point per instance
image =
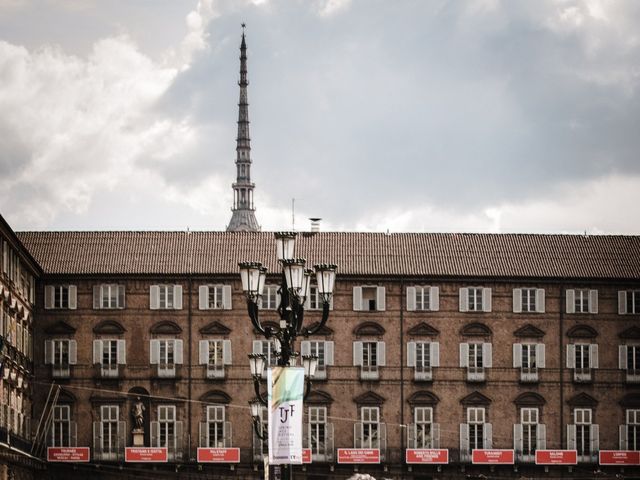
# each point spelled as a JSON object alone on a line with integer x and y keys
{"x": 327, "y": 8}
{"x": 197, "y": 22}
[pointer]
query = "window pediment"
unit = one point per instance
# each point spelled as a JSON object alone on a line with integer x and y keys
{"x": 217, "y": 397}
{"x": 423, "y": 397}
{"x": 423, "y": 330}
{"x": 529, "y": 331}
{"x": 215, "y": 328}
{"x": 319, "y": 397}
{"x": 582, "y": 400}
{"x": 475, "y": 398}
{"x": 324, "y": 331}
{"x": 630, "y": 400}
{"x": 371, "y": 329}
{"x": 109, "y": 327}
{"x": 529, "y": 399}
{"x": 165, "y": 327}
{"x": 632, "y": 333}
{"x": 582, "y": 331}
{"x": 369, "y": 398}
{"x": 60, "y": 328}
{"x": 475, "y": 330}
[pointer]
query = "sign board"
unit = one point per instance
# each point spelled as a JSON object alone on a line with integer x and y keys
{"x": 427, "y": 455}
{"x": 619, "y": 457}
{"x": 306, "y": 455}
{"x": 67, "y": 454}
{"x": 493, "y": 457}
{"x": 358, "y": 455}
{"x": 285, "y": 389}
{"x": 218, "y": 455}
{"x": 556, "y": 457}
{"x": 145, "y": 454}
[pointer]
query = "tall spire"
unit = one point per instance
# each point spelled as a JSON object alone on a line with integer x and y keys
{"x": 243, "y": 218}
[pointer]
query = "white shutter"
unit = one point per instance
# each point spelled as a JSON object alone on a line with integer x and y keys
{"x": 177, "y": 297}
{"x": 121, "y": 352}
{"x": 571, "y": 437}
{"x": 540, "y": 300}
{"x": 464, "y": 438}
{"x": 357, "y": 354}
{"x": 226, "y": 297}
{"x": 48, "y": 296}
{"x": 622, "y": 357}
{"x": 593, "y": 301}
{"x": 357, "y": 298}
{"x": 328, "y": 353}
{"x": 593, "y": 355}
{"x": 464, "y": 355}
{"x": 121, "y": 297}
{"x": 305, "y": 347}
{"x": 48, "y": 352}
{"x": 571, "y": 356}
{"x": 382, "y": 360}
{"x": 204, "y": 352}
{"x": 486, "y": 299}
{"x": 203, "y": 297}
{"x": 517, "y": 300}
{"x": 411, "y": 354}
{"x": 154, "y": 297}
{"x": 540, "y": 355}
{"x": 464, "y": 301}
{"x": 571, "y": 301}
{"x": 517, "y": 438}
{"x": 257, "y": 346}
{"x": 226, "y": 352}
{"x": 73, "y": 352}
{"x": 541, "y": 436}
{"x": 595, "y": 438}
{"x": 97, "y": 351}
{"x": 487, "y": 361}
{"x": 434, "y": 348}
{"x": 434, "y": 299}
{"x": 622, "y": 302}
{"x": 381, "y": 299}
{"x": 487, "y": 434}
{"x": 154, "y": 352}
{"x": 97, "y": 290}
{"x": 622, "y": 435}
{"x": 411, "y": 299}
{"x": 177, "y": 347}
{"x": 517, "y": 355}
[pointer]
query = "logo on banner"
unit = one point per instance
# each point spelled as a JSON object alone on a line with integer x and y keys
{"x": 285, "y": 389}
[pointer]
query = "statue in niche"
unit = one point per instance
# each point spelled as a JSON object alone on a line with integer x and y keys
{"x": 138, "y": 414}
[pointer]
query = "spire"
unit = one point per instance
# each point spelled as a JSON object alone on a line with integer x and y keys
{"x": 243, "y": 218}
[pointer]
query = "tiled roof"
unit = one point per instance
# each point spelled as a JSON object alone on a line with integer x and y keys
{"x": 361, "y": 254}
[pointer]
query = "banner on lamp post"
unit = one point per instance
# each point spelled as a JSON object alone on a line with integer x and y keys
{"x": 285, "y": 389}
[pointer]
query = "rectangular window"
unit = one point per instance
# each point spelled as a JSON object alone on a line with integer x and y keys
{"x": 270, "y": 298}
{"x": 60, "y": 358}
{"x": 109, "y": 415}
{"x": 633, "y": 360}
{"x": 529, "y": 368}
{"x": 633, "y": 429}
{"x": 317, "y": 348}
{"x": 476, "y": 420}
{"x": 370, "y": 427}
{"x": 476, "y": 364}
{"x": 61, "y": 427}
{"x": 582, "y": 363}
{"x": 632, "y": 302}
{"x": 167, "y": 362}
{"x": 475, "y": 299}
{"x": 215, "y": 360}
{"x": 528, "y": 299}
{"x": 315, "y": 303}
{"x": 581, "y": 301}
{"x": 166, "y": 426}
{"x": 109, "y": 358}
{"x": 423, "y": 298}
{"x": 268, "y": 348}
{"x": 369, "y": 298}
{"x": 108, "y": 296}
{"x": 61, "y": 296}
{"x": 318, "y": 433}
{"x": 216, "y": 297}
{"x": 165, "y": 296}
{"x": 423, "y": 417}
{"x": 582, "y": 419}
{"x": 529, "y": 419}
{"x": 369, "y": 360}
{"x": 215, "y": 427}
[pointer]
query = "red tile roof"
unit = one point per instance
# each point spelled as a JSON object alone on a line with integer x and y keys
{"x": 359, "y": 254}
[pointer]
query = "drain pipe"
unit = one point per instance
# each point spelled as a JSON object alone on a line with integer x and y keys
{"x": 403, "y": 428}
{"x": 561, "y": 358}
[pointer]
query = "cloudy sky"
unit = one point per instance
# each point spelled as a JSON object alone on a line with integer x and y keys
{"x": 404, "y": 115}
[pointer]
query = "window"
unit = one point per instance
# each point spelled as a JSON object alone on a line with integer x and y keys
{"x": 426, "y": 432}
{"x": 629, "y": 360}
{"x": 261, "y": 446}
{"x": 165, "y": 297}
{"x": 582, "y": 301}
{"x": 61, "y": 428}
{"x": 369, "y": 356}
{"x": 529, "y": 433}
{"x": 60, "y": 297}
{"x": 629, "y": 302}
{"x": 323, "y": 350}
{"x": 270, "y": 349}
{"x": 475, "y": 357}
{"x": 215, "y": 354}
{"x": 423, "y": 356}
{"x": 108, "y": 296}
{"x": 314, "y": 300}
{"x": 368, "y": 431}
{"x": 475, "y": 299}
{"x": 109, "y": 354}
{"x": 528, "y": 300}
{"x": 320, "y": 435}
{"x": 270, "y": 298}
{"x": 215, "y": 297}
{"x": 166, "y": 429}
{"x": 583, "y": 435}
{"x": 215, "y": 435}
{"x": 528, "y": 357}
{"x": 630, "y": 433}
{"x": 475, "y": 419}
{"x": 582, "y": 357}
{"x": 369, "y": 298}
{"x": 166, "y": 354}
{"x": 423, "y": 298}
{"x": 109, "y": 433}
{"x": 60, "y": 354}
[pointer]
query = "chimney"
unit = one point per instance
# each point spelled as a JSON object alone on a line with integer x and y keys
{"x": 315, "y": 224}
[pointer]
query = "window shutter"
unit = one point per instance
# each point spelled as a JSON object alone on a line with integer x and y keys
{"x": 204, "y": 434}
{"x": 486, "y": 356}
{"x": 486, "y": 299}
{"x": 517, "y": 438}
{"x": 464, "y": 440}
{"x": 595, "y": 438}
{"x": 464, "y": 355}
{"x": 571, "y": 356}
{"x": 203, "y": 297}
{"x": 305, "y": 347}
{"x": 434, "y": 299}
{"x": 177, "y": 297}
{"x": 622, "y": 357}
{"x": 487, "y": 434}
{"x": 540, "y": 355}
{"x": 97, "y": 437}
{"x": 73, "y": 434}
{"x": 571, "y": 301}
{"x": 97, "y": 351}
{"x": 381, "y": 299}
{"x": 155, "y": 434}
{"x": 517, "y": 355}
{"x": 154, "y": 352}
{"x": 593, "y": 301}
{"x": 226, "y": 297}
{"x": 411, "y": 354}
{"x": 154, "y": 297}
{"x": 203, "y": 349}
{"x": 357, "y": 298}
{"x": 541, "y": 436}
{"x": 357, "y": 435}
{"x": 48, "y": 352}
{"x": 121, "y": 352}
{"x": 257, "y": 346}
{"x": 96, "y": 297}
{"x": 48, "y": 296}
{"x": 434, "y": 348}
{"x": 357, "y": 354}
{"x": 593, "y": 355}
{"x": 177, "y": 345}
{"x": 411, "y": 299}
{"x": 73, "y": 352}
{"x": 411, "y": 436}
{"x": 121, "y": 300}
{"x": 382, "y": 361}
{"x": 622, "y": 435}
{"x": 226, "y": 352}
{"x": 622, "y": 302}
{"x": 571, "y": 437}
{"x": 540, "y": 300}
{"x": 328, "y": 353}
{"x": 464, "y": 301}
{"x": 517, "y": 300}
{"x": 307, "y": 301}
{"x": 227, "y": 434}
{"x": 435, "y": 435}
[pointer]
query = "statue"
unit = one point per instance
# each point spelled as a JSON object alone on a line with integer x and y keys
{"x": 138, "y": 414}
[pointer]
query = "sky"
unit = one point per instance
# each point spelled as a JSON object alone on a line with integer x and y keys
{"x": 375, "y": 115}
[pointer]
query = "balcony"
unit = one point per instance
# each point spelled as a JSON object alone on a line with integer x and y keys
{"x": 582, "y": 375}
{"x": 475, "y": 374}
{"x": 215, "y": 434}
{"x": 369, "y": 372}
{"x": 371, "y": 435}
{"x": 215, "y": 372}
{"x": 423, "y": 435}
{"x": 319, "y": 438}
{"x": 633, "y": 376}
{"x": 168, "y": 435}
{"x": 109, "y": 441}
{"x": 108, "y": 371}
{"x": 61, "y": 371}
{"x": 423, "y": 374}
{"x": 529, "y": 374}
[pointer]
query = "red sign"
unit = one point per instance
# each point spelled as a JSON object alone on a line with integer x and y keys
{"x": 358, "y": 455}
{"x": 556, "y": 457}
{"x": 68, "y": 454}
{"x": 306, "y": 455}
{"x": 494, "y": 457}
{"x": 219, "y": 455}
{"x": 144, "y": 454}
{"x": 619, "y": 457}
{"x": 426, "y": 455}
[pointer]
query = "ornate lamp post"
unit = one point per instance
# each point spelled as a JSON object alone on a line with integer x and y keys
{"x": 295, "y": 287}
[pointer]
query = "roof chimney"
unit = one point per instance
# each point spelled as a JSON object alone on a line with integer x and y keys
{"x": 315, "y": 224}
